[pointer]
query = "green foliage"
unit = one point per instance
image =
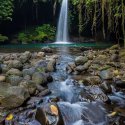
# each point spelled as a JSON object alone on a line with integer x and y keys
{"x": 3, "y": 38}
{"x": 40, "y": 34}
{"x": 6, "y": 9}
{"x": 45, "y": 32}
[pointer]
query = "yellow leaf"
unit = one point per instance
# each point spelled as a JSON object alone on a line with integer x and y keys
{"x": 54, "y": 109}
{"x": 9, "y": 117}
{"x": 112, "y": 114}
{"x": 116, "y": 72}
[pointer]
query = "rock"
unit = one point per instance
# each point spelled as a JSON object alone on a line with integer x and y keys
{"x": 15, "y": 64}
{"x": 49, "y": 78}
{"x": 47, "y": 50}
{"x": 44, "y": 93}
{"x": 106, "y": 74}
{"x": 27, "y": 77}
{"x": 2, "y": 78}
{"x": 40, "y": 54}
{"x": 106, "y": 87}
{"x": 0, "y": 69}
{"x": 97, "y": 93}
{"x": 120, "y": 83}
{"x": 51, "y": 66}
{"x": 14, "y": 72}
{"x": 29, "y": 85}
{"x": 70, "y": 67}
{"x": 14, "y": 80}
{"x": 1, "y": 59}
{"x": 114, "y": 47}
{"x": 29, "y": 71}
{"x": 4, "y": 68}
{"x": 80, "y": 60}
{"x": 115, "y": 57}
{"x": 25, "y": 57}
{"x": 12, "y": 97}
{"x": 39, "y": 78}
{"x": 80, "y": 68}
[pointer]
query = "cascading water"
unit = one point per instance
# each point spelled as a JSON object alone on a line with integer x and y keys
{"x": 62, "y": 31}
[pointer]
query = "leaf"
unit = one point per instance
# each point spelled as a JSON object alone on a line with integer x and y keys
{"x": 9, "y": 117}
{"x": 54, "y": 110}
{"x": 112, "y": 114}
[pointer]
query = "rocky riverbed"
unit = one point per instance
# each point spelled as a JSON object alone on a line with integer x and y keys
{"x": 69, "y": 86}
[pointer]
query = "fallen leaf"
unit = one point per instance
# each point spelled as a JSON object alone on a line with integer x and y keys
{"x": 112, "y": 114}
{"x": 54, "y": 110}
{"x": 9, "y": 117}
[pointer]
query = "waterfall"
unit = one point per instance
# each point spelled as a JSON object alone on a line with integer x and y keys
{"x": 62, "y": 30}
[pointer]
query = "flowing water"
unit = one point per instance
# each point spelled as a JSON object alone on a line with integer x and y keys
{"x": 62, "y": 31}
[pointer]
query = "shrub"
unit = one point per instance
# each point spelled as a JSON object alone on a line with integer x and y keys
{"x": 3, "y": 38}
{"x": 45, "y": 32}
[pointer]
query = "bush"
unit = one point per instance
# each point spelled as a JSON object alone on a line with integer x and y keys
{"x": 3, "y": 38}
{"x": 45, "y": 32}
{"x": 40, "y": 34}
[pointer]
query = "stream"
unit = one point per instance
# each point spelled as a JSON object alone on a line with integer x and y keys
{"x": 74, "y": 108}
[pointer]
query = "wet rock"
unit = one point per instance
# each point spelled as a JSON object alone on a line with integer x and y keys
{"x": 2, "y": 78}
{"x": 49, "y": 78}
{"x": 12, "y": 97}
{"x": 70, "y": 67}
{"x": 15, "y": 64}
{"x": 13, "y": 71}
{"x": 80, "y": 60}
{"x": 39, "y": 78}
{"x": 14, "y": 80}
{"x": 51, "y": 66}
{"x": 80, "y": 68}
{"x": 120, "y": 83}
{"x": 4, "y": 68}
{"x": 29, "y": 85}
{"x": 44, "y": 93}
{"x": 106, "y": 74}
{"x": 47, "y": 50}
{"x": 40, "y": 54}
{"x": 115, "y": 57}
{"x": 114, "y": 47}
{"x": 106, "y": 87}
{"x": 0, "y": 69}
{"x": 97, "y": 93}
{"x": 25, "y": 57}
{"x": 29, "y": 71}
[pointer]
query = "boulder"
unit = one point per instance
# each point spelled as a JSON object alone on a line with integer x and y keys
{"x": 40, "y": 54}
{"x": 0, "y": 69}
{"x": 13, "y": 71}
{"x": 106, "y": 74}
{"x": 115, "y": 57}
{"x": 25, "y": 57}
{"x": 29, "y": 71}
{"x": 2, "y": 78}
{"x": 12, "y": 96}
{"x": 39, "y": 78}
{"x": 51, "y": 66}
{"x": 114, "y": 47}
{"x": 80, "y": 60}
{"x": 29, "y": 85}
{"x": 14, "y": 80}
{"x": 4, "y": 68}
{"x": 47, "y": 50}
{"x": 15, "y": 64}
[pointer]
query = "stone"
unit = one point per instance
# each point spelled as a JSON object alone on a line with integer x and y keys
{"x": 51, "y": 66}
{"x": 0, "y": 68}
{"x": 114, "y": 47}
{"x": 115, "y": 57}
{"x": 13, "y": 71}
{"x": 12, "y": 96}
{"x": 80, "y": 68}
{"x": 47, "y": 50}
{"x": 120, "y": 83}
{"x": 25, "y": 57}
{"x": 29, "y": 85}
{"x": 40, "y": 54}
{"x": 4, "y": 68}
{"x": 14, "y": 80}
{"x": 39, "y": 78}
{"x": 15, "y": 64}
{"x": 29, "y": 71}
{"x": 80, "y": 60}
{"x": 106, "y": 74}
{"x": 2, "y": 78}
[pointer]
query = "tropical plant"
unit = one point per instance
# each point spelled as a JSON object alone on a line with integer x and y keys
{"x": 3, "y": 38}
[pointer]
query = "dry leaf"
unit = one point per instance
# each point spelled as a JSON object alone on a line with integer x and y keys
{"x": 54, "y": 109}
